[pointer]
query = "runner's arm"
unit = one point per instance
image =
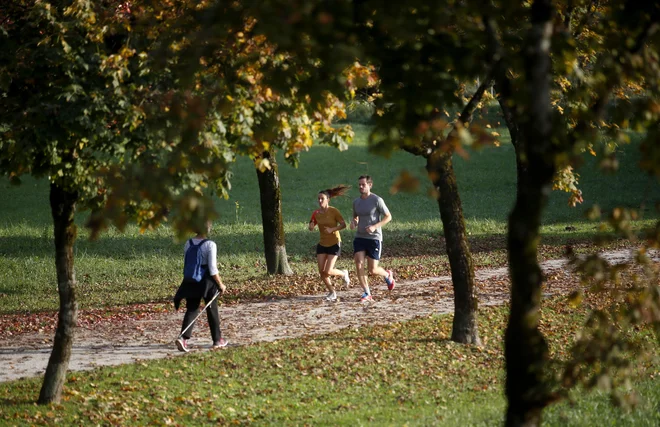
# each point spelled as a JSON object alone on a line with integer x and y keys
{"x": 354, "y": 221}
{"x": 312, "y": 221}
{"x": 386, "y": 218}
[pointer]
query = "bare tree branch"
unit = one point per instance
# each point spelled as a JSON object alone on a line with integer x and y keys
{"x": 471, "y": 106}
{"x": 417, "y": 150}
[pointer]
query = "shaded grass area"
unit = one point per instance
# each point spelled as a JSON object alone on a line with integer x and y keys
{"x": 129, "y": 267}
{"x": 401, "y": 373}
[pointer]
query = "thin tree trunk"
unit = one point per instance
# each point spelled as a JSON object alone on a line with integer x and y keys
{"x": 440, "y": 168}
{"x": 518, "y": 141}
{"x": 271, "y": 217}
{"x": 506, "y": 102}
{"x": 526, "y": 350}
{"x": 63, "y": 206}
{"x": 465, "y": 326}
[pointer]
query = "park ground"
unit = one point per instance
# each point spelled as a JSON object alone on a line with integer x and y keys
{"x": 147, "y": 331}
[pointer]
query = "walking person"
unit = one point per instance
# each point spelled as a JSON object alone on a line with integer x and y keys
{"x": 370, "y": 214}
{"x": 201, "y": 280}
{"x": 330, "y": 222}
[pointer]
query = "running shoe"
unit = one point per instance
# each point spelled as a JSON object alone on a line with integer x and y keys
{"x": 182, "y": 344}
{"x": 366, "y": 297}
{"x": 347, "y": 279}
{"x": 219, "y": 344}
{"x": 390, "y": 280}
{"x": 332, "y": 296}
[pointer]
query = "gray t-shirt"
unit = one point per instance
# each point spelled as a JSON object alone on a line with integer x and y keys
{"x": 369, "y": 212}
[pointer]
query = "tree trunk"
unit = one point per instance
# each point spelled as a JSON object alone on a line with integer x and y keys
{"x": 441, "y": 170}
{"x": 512, "y": 123}
{"x": 63, "y": 206}
{"x": 526, "y": 350}
{"x": 271, "y": 217}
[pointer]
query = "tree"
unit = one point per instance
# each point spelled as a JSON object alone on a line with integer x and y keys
{"x": 425, "y": 51}
{"x": 62, "y": 117}
{"x": 410, "y": 45}
{"x": 418, "y": 91}
{"x": 74, "y": 111}
{"x": 271, "y": 214}
{"x": 547, "y": 142}
{"x": 255, "y": 119}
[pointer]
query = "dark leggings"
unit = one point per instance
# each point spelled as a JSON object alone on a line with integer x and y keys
{"x": 192, "y": 309}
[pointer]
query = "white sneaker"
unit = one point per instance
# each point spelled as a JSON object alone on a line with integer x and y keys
{"x": 347, "y": 279}
{"x": 332, "y": 296}
{"x": 182, "y": 344}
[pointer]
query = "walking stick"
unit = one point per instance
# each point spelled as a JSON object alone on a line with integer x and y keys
{"x": 200, "y": 313}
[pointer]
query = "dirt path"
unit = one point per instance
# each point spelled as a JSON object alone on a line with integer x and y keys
{"x": 115, "y": 342}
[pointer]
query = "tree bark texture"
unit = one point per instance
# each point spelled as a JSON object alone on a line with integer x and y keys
{"x": 526, "y": 350}
{"x": 271, "y": 217}
{"x": 63, "y": 206}
{"x": 465, "y": 326}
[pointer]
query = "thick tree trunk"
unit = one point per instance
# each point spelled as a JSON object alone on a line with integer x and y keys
{"x": 441, "y": 170}
{"x": 526, "y": 350}
{"x": 63, "y": 206}
{"x": 271, "y": 217}
{"x": 525, "y": 347}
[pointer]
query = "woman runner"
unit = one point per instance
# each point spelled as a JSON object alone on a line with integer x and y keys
{"x": 330, "y": 221}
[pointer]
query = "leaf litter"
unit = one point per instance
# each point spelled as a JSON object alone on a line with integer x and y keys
{"x": 129, "y": 334}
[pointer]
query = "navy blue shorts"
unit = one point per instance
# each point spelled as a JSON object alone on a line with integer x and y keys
{"x": 372, "y": 247}
{"x": 330, "y": 250}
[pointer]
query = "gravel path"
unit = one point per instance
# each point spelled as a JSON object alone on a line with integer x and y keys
{"x": 113, "y": 342}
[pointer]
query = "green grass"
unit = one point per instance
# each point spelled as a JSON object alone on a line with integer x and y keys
{"x": 405, "y": 373}
{"x": 124, "y": 268}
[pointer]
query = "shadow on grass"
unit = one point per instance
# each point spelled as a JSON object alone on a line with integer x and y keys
{"x": 377, "y": 340}
{"x": 300, "y": 244}
{"x": 412, "y": 245}
{"x": 16, "y": 402}
{"x": 5, "y": 290}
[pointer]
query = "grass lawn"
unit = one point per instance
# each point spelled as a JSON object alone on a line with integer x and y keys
{"x": 405, "y": 373}
{"x": 129, "y": 267}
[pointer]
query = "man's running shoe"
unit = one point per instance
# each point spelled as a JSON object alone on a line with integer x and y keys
{"x": 182, "y": 344}
{"x": 390, "y": 280}
{"x": 347, "y": 280}
{"x": 331, "y": 297}
{"x": 366, "y": 297}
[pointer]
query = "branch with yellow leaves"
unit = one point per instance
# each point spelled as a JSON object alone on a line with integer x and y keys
{"x": 427, "y": 146}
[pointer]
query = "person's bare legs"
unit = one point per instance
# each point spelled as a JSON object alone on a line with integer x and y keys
{"x": 361, "y": 273}
{"x": 375, "y": 269}
{"x": 322, "y": 260}
{"x": 330, "y": 269}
